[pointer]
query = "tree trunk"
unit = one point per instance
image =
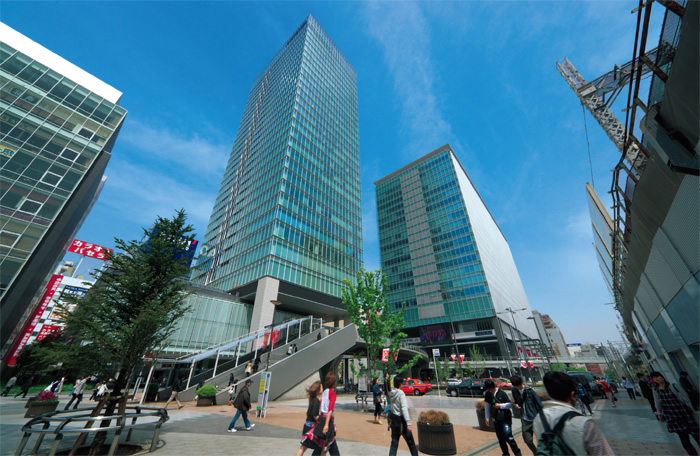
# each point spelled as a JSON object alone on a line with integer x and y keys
{"x": 117, "y": 398}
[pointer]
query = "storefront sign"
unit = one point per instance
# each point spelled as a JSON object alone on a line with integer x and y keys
{"x": 90, "y": 250}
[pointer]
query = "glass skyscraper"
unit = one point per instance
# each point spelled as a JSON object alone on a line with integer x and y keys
{"x": 57, "y": 128}
{"x": 446, "y": 260}
{"x": 289, "y": 209}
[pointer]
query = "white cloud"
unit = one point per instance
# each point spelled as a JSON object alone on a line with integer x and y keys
{"x": 190, "y": 151}
{"x": 404, "y": 34}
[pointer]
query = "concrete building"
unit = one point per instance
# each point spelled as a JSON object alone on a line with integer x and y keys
{"x": 58, "y": 125}
{"x": 447, "y": 262}
{"x": 649, "y": 247}
{"x": 286, "y": 227}
{"x": 555, "y": 338}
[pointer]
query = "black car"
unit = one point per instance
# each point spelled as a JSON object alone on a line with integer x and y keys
{"x": 469, "y": 387}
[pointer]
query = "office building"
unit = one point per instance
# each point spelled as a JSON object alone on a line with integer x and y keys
{"x": 648, "y": 248}
{"x": 447, "y": 262}
{"x": 58, "y": 125}
{"x": 286, "y": 227}
{"x": 555, "y": 338}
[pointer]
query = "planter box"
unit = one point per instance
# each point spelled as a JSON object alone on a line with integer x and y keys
{"x": 206, "y": 401}
{"x": 37, "y": 408}
{"x": 436, "y": 439}
{"x": 481, "y": 416}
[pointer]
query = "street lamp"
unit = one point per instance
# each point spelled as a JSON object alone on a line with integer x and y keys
{"x": 512, "y": 315}
{"x": 271, "y": 344}
{"x": 541, "y": 341}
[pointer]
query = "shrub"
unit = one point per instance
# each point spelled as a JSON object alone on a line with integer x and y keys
{"x": 206, "y": 391}
{"x": 46, "y": 396}
{"x": 434, "y": 418}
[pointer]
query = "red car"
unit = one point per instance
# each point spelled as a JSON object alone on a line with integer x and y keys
{"x": 500, "y": 382}
{"x": 416, "y": 387}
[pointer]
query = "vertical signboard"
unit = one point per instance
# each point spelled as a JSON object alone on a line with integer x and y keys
{"x": 263, "y": 393}
{"x": 21, "y": 342}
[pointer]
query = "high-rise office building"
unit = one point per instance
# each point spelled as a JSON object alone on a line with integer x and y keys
{"x": 554, "y": 337}
{"x": 286, "y": 226}
{"x": 446, "y": 260}
{"x": 57, "y": 128}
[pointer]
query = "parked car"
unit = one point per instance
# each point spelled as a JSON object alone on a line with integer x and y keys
{"x": 500, "y": 382}
{"x": 587, "y": 379}
{"x": 454, "y": 381}
{"x": 416, "y": 387}
{"x": 468, "y": 387}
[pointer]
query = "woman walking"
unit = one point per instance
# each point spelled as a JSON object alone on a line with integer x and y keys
{"x": 377, "y": 392}
{"x": 314, "y": 392}
{"x": 674, "y": 409}
{"x": 323, "y": 432}
{"x": 249, "y": 368}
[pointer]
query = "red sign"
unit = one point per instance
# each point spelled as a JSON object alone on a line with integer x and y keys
{"x": 385, "y": 355}
{"x": 90, "y": 250}
{"x": 523, "y": 364}
{"x": 45, "y": 331}
{"x": 454, "y": 358}
{"x": 531, "y": 364}
{"x": 50, "y": 290}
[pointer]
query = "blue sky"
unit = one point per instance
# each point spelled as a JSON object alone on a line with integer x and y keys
{"x": 480, "y": 76}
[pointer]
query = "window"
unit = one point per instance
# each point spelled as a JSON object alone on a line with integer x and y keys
{"x": 30, "y": 207}
{"x": 86, "y": 133}
{"x": 8, "y": 238}
{"x": 69, "y": 154}
{"x": 51, "y": 178}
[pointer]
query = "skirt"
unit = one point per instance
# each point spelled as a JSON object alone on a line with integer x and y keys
{"x": 315, "y": 438}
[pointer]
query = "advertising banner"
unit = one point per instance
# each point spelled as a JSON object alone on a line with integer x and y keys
{"x": 385, "y": 355}
{"x": 21, "y": 342}
{"x": 46, "y": 330}
{"x": 90, "y": 250}
{"x": 434, "y": 334}
{"x": 531, "y": 364}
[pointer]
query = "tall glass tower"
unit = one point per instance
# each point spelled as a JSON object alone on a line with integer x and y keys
{"x": 286, "y": 225}
{"x": 446, "y": 260}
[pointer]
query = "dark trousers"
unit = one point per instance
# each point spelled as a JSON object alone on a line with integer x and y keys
{"x": 400, "y": 428}
{"x": 651, "y": 402}
{"x": 378, "y": 409}
{"x": 23, "y": 392}
{"x": 72, "y": 398}
{"x": 7, "y": 390}
{"x": 685, "y": 441}
{"x": 528, "y": 431}
{"x": 332, "y": 450}
{"x": 584, "y": 406}
{"x": 630, "y": 392}
{"x": 504, "y": 432}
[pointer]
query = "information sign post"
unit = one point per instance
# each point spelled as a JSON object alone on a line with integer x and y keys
{"x": 436, "y": 353}
{"x": 263, "y": 393}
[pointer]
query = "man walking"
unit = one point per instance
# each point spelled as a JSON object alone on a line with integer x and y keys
{"x": 178, "y": 387}
{"x": 530, "y": 404}
{"x": 400, "y": 420}
{"x": 647, "y": 390}
{"x": 498, "y": 407}
{"x": 579, "y": 433}
{"x": 77, "y": 393}
{"x": 629, "y": 386}
{"x": 242, "y": 404}
{"x": 25, "y": 387}
{"x": 9, "y": 385}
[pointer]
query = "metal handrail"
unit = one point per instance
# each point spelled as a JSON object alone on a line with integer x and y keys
{"x": 47, "y": 419}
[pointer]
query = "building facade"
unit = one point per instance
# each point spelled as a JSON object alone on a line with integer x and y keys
{"x": 286, "y": 227}
{"x": 649, "y": 248}
{"x": 447, "y": 263}
{"x": 58, "y": 125}
{"x": 555, "y": 338}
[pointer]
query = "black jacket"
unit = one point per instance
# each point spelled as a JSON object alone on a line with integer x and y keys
{"x": 242, "y": 401}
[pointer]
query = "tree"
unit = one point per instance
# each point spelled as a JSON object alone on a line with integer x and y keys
{"x": 368, "y": 308}
{"x": 132, "y": 308}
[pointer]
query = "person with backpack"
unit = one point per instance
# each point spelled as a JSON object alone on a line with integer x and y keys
{"x": 584, "y": 398}
{"x": 242, "y": 405}
{"x": 561, "y": 428}
{"x": 498, "y": 407}
{"x": 530, "y": 404}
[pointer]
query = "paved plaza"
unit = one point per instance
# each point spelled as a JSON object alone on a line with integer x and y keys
{"x": 630, "y": 427}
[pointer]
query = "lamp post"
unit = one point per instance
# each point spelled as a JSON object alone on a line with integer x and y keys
{"x": 541, "y": 341}
{"x": 271, "y": 344}
{"x": 515, "y": 325}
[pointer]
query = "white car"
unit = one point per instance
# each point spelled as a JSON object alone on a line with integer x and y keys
{"x": 453, "y": 381}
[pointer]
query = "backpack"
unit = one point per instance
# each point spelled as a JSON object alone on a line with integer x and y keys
{"x": 551, "y": 442}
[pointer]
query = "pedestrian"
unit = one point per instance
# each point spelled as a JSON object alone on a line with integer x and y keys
{"x": 690, "y": 390}
{"x": 313, "y": 412}
{"x": 242, "y": 405}
{"x": 377, "y": 394}
{"x": 629, "y": 386}
{"x": 77, "y": 392}
{"x": 324, "y": 431}
{"x": 318, "y": 337}
{"x": 387, "y": 389}
{"x": 530, "y": 404}
{"x": 579, "y": 433}
{"x": 605, "y": 387}
{"x": 675, "y": 409}
{"x": 400, "y": 420}
{"x": 178, "y": 387}
{"x": 9, "y": 385}
{"x": 647, "y": 390}
{"x": 25, "y": 387}
{"x": 249, "y": 368}
{"x": 231, "y": 379}
{"x": 95, "y": 389}
{"x": 59, "y": 388}
{"x": 295, "y": 348}
{"x": 256, "y": 364}
{"x": 54, "y": 386}
{"x": 584, "y": 398}
{"x": 498, "y": 406}
{"x": 290, "y": 349}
